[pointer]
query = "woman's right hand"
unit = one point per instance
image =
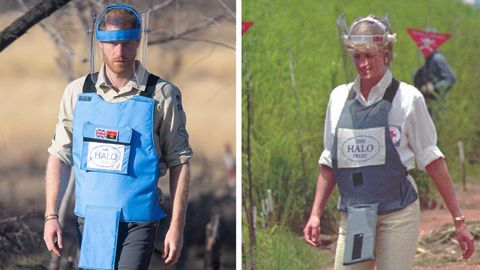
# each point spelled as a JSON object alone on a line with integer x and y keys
{"x": 311, "y": 232}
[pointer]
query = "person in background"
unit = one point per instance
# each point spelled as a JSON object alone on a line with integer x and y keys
{"x": 435, "y": 78}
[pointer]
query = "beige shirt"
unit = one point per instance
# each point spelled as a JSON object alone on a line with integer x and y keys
{"x": 169, "y": 120}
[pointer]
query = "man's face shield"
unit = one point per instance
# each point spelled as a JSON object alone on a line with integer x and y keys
{"x": 119, "y": 41}
{"x": 112, "y": 27}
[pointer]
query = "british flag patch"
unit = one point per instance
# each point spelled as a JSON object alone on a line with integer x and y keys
{"x": 106, "y": 134}
{"x": 100, "y": 133}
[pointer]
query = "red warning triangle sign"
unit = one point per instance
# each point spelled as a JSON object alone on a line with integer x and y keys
{"x": 426, "y": 41}
{"x": 246, "y": 26}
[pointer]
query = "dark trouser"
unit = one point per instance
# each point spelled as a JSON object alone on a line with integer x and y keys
{"x": 134, "y": 244}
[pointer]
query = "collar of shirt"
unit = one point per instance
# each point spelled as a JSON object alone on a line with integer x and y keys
{"x": 103, "y": 84}
{"x": 377, "y": 91}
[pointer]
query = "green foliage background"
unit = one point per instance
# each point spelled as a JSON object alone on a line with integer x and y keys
{"x": 308, "y": 29}
{"x": 278, "y": 248}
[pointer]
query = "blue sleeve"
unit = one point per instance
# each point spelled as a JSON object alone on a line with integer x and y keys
{"x": 443, "y": 73}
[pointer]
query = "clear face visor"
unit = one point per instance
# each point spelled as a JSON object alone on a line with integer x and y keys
{"x": 112, "y": 28}
{"x": 348, "y": 68}
{"x": 386, "y": 37}
{"x": 347, "y": 39}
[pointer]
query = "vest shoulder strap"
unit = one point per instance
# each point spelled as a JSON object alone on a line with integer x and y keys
{"x": 91, "y": 80}
{"x": 389, "y": 93}
{"x": 89, "y": 84}
{"x": 391, "y": 90}
{"x": 351, "y": 94}
{"x": 151, "y": 86}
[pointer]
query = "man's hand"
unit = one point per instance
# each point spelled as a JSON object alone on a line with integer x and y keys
{"x": 179, "y": 185}
{"x": 311, "y": 233}
{"x": 427, "y": 89}
{"x": 56, "y": 181}
{"x": 52, "y": 235}
{"x": 172, "y": 246}
{"x": 465, "y": 240}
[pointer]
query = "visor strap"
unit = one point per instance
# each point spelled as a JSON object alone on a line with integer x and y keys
{"x": 372, "y": 20}
{"x": 116, "y": 35}
{"x": 366, "y": 38}
{"x": 121, "y": 6}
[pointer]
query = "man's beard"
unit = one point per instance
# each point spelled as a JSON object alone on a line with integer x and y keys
{"x": 121, "y": 68}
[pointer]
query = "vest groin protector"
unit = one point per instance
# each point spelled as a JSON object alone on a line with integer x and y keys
{"x": 367, "y": 170}
{"x": 116, "y": 171}
{"x": 360, "y": 238}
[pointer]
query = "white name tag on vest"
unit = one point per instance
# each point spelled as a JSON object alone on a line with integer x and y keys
{"x": 105, "y": 156}
{"x": 360, "y": 147}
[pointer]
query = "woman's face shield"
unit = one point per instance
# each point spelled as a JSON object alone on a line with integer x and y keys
{"x": 351, "y": 40}
{"x": 119, "y": 40}
{"x": 348, "y": 67}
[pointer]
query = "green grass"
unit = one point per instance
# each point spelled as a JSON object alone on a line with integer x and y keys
{"x": 279, "y": 248}
{"x": 307, "y": 29}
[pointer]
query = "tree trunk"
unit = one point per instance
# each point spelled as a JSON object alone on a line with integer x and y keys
{"x": 29, "y": 19}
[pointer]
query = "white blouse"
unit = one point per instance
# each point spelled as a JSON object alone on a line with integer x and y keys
{"x": 411, "y": 126}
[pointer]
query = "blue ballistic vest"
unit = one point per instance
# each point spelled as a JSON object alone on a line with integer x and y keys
{"x": 366, "y": 165}
{"x": 116, "y": 169}
{"x": 116, "y": 164}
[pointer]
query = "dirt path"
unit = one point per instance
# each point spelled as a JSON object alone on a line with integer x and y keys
{"x": 438, "y": 218}
{"x": 434, "y": 222}
{"x": 469, "y": 203}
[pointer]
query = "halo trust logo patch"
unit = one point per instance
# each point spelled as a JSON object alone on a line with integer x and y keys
{"x": 360, "y": 148}
{"x": 105, "y": 156}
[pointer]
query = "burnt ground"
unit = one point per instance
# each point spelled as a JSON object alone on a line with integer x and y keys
{"x": 22, "y": 209}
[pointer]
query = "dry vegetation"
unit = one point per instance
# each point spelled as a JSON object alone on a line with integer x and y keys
{"x": 31, "y": 84}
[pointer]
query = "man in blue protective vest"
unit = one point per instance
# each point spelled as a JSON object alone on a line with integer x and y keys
{"x": 435, "y": 78}
{"x": 120, "y": 128}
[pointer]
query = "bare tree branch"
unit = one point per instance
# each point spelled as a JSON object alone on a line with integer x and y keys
{"x": 29, "y": 19}
{"x": 94, "y": 3}
{"x": 66, "y": 65}
{"x": 228, "y": 46}
{"x": 230, "y": 12}
{"x": 161, "y": 5}
{"x": 177, "y": 4}
{"x": 84, "y": 19}
{"x": 191, "y": 30}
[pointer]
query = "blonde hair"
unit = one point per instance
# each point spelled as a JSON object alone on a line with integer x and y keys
{"x": 378, "y": 31}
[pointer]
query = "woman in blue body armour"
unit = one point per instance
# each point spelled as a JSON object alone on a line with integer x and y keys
{"x": 377, "y": 129}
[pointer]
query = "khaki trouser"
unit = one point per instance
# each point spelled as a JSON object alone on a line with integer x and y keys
{"x": 396, "y": 240}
